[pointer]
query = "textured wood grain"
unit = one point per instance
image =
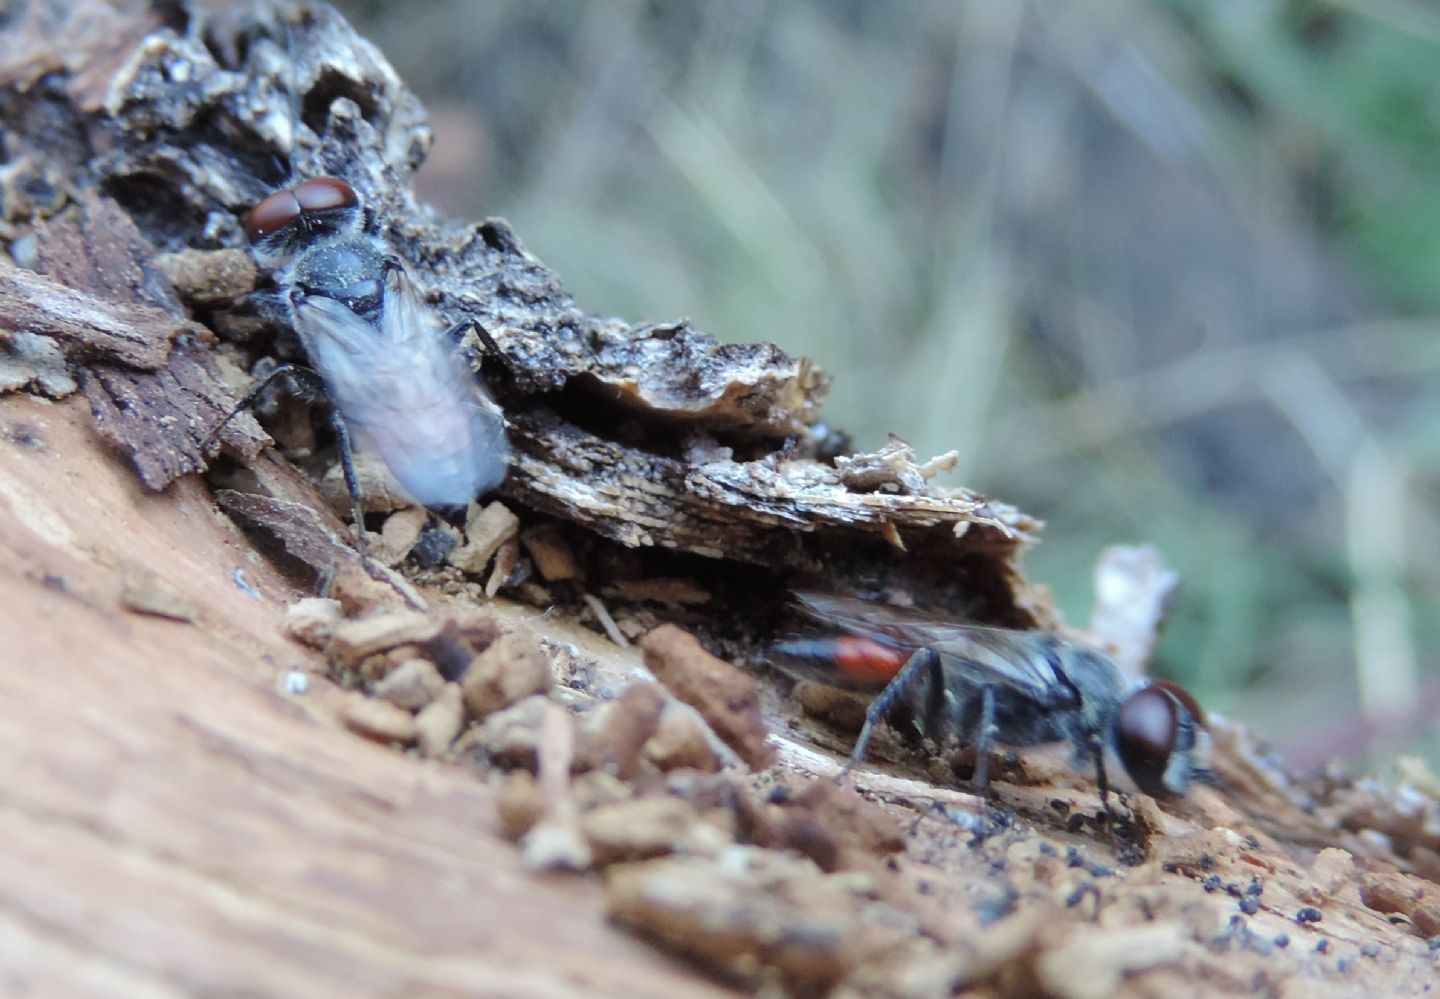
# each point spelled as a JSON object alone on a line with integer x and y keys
{"x": 653, "y": 435}
{"x": 175, "y": 826}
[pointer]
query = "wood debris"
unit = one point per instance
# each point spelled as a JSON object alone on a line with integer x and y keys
{"x": 378, "y": 719}
{"x": 511, "y": 668}
{"x": 311, "y": 621}
{"x": 146, "y": 592}
{"x": 413, "y": 684}
{"x": 87, "y": 326}
{"x": 438, "y": 723}
{"x": 752, "y": 488}
{"x": 727, "y": 699}
{"x": 487, "y": 528}
{"x": 680, "y": 478}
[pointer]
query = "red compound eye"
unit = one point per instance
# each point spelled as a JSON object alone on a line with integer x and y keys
{"x": 309, "y": 197}
{"x": 320, "y": 194}
{"x": 1187, "y": 701}
{"x": 1145, "y": 730}
{"x": 1148, "y": 733}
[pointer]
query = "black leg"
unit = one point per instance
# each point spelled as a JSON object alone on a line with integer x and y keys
{"x": 492, "y": 349}
{"x": 935, "y": 702}
{"x": 352, "y": 481}
{"x": 985, "y": 739}
{"x": 456, "y": 333}
{"x": 1098, "y": 748}
{"x": 923, "y": 659}
{"x": 310, "y": 384}
{"x": 309, "y": 381}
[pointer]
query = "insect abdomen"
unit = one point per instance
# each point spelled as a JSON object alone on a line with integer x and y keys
{"x": 853, "y": 660}
{"x": 412, "y": 400}
{"x": 445, "y": 454}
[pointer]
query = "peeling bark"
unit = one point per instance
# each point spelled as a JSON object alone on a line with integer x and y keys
{"x": 653, "y": 436}
{"x": 133, "y": 130}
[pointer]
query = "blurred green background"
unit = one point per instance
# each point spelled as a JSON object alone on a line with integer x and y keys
{"x": 1162, "y": 272}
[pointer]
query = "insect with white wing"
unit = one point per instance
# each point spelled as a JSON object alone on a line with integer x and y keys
{"x": 397, "y": 381}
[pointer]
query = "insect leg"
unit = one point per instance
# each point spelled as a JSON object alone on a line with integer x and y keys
{"x": 985, "y": 739}
{"x": 935, "y": 700}
{"x": 309, "y": 381}
{"x": 352, "y": 481}
{"x": 457, "y": 332}
{"x": 1098, "y": 749}
{"x": 923, "y": 659}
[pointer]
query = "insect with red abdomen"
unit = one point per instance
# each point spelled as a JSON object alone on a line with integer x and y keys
{"x": 997, "y": 686}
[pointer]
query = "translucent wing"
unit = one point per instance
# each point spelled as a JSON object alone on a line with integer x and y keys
{"x": 1026, "y": 661}
{"x": 409, "y": 395}
{"x": 468, "y": 452}
{"x": 342, "y": 346}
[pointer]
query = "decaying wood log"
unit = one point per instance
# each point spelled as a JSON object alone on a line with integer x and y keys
{"x": 165, "y": 770}
{"x": 651, "y": 435}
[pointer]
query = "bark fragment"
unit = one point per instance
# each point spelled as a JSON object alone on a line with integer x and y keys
{"x": 725, "y": 697}
{"x": 652, "y": 435}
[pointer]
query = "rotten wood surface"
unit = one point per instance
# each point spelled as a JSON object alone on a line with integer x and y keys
{"x": 177, "y": 823}
{"x": 94, "y": 328}
{"x": 174, "y": 825}
{"x": 653, "y": 435}
{"x": 194, "y": 804}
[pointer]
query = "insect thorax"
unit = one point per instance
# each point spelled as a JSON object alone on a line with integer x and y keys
{"x": 349, "y": 269}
